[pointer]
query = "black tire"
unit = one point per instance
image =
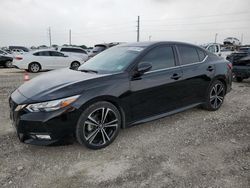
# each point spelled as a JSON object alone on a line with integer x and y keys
{"x": 74, "y": 65}
{"x": 98, "y": 125}
{"x": 34, "y": 67}
{"x": 215, "y": 96}
{"x": 8, "y": 64}
{"x": 239, "y": 79}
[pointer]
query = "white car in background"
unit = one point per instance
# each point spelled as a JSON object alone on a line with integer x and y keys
{"x": 232, "y": 41}
{"x": 45, "y": 60}
{"x": 74, "y": 51}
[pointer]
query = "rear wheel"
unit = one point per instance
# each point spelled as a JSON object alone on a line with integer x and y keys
{"x": 75, "y": 65}
{"x": 98, "y": 125}
{"x": 215, "y": 96}
{"x": 239, "y": 79}
{"x": 8, "y": 64}
{"x": 34, "y": 67}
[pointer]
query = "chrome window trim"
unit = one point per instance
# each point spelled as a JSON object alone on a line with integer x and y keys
{"x": 179, "y": 66}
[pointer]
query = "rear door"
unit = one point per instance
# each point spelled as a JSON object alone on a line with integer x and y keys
{"x": 197, "y": 73}
{"x": 59, "y": 60}
{"x": 159, "y": 90}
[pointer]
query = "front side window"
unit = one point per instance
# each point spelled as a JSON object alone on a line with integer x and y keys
{"x": 160, "y": 58}
{"x": 188, "y": 54}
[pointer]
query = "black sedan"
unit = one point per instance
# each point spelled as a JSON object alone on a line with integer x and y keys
{"x": 6, "y": 61}
{"x": 120, "y": 87}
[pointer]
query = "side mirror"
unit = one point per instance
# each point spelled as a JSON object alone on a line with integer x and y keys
{"x": 143, "y": 67}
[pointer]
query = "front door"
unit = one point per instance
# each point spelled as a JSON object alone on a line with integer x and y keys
{"x": 158, "y": 90}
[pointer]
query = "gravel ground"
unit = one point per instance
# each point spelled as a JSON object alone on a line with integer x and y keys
{"x": 195, "y": 148}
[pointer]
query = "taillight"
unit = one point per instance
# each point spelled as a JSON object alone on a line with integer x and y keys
{"x": 230, "y": 65}
{"x": 18, "y": 58}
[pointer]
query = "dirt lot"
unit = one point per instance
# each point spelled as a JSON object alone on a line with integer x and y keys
{"x": 195, "y": 148}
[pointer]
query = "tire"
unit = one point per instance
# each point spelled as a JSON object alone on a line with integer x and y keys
{"x": 34, "y": 67}
{"x": 8, "y": 64}
{"x": 74, "y": 65}
{"x": 98, "y": 125}
{"x": 239, "y": 79}
{"x": 215, "y": 96}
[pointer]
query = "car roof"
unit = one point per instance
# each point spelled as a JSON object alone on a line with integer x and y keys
{"x": 71, "y": 47}
{"x": 152, "y": 43}
{"x": 42, "y": 50}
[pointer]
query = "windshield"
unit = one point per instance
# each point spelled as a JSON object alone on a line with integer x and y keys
{"x": 113, "y": 60}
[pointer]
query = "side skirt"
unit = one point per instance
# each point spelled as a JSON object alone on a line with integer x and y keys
{"x": 163, "y": 115}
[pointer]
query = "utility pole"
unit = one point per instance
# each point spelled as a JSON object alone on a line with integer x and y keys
{"x": 70, "y": 37}
{"x": 149, "y": 38}
{"x": 138, "y": 29}
{"x": 215, "y": 39}
{"x": 241, "y": 39}
{"x": 49, "y": 36}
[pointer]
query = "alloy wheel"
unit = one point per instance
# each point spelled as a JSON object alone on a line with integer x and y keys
{"x": 217, "y": 95}
{"x": 34, "y": 67}
{"x": 100, "y": 126}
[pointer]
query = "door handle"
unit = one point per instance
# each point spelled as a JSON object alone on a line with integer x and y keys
{"x": 210, "y": 68}
{"x": 175, "y": 76}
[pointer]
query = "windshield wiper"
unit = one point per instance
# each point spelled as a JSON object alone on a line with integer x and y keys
{"x": 89, "y": 70}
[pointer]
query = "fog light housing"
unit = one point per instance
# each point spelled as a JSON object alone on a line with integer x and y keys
{"x": 45, "y": 137}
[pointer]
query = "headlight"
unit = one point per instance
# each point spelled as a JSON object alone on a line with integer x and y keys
{"x": 51, "y": 105}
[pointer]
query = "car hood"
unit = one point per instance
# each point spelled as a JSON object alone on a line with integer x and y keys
{"x": 56, "y": 84}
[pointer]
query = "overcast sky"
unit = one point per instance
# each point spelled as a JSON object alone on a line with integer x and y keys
{"x": 26, "y": 22}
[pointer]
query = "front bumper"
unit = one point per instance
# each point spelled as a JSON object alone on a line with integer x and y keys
{"x": 43, "y": 128}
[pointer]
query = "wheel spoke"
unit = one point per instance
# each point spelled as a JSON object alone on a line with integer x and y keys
{"x": 91, "y": 123}
{"x": 111, "y": 122}
{"x": 212, "y": 98}
{"x": 103, "y": 137}
{"x": 105, "y": 115}
{"x": 220, "y": 90}
{"x": 92, "y": 119}
{"x": 220, "y": 98}
{"x": 92, "y": 136}
{"x": 111, "y": 125}
{"x": 106, "y": 134}
{"x": 215, "y": 102}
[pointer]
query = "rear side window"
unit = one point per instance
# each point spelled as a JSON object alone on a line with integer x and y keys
{"x": 188, "y": 54}
{"x": 54, "y": 53}
{"x": 160, "y": 58}
{"x": 66, "y": 50}
{"x": 201, "y": 54}
{"x": 43, "y": 53}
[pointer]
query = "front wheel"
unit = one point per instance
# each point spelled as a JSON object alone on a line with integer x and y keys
{"x": 215, "y": 96}
{"x": 98, "y": 125}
